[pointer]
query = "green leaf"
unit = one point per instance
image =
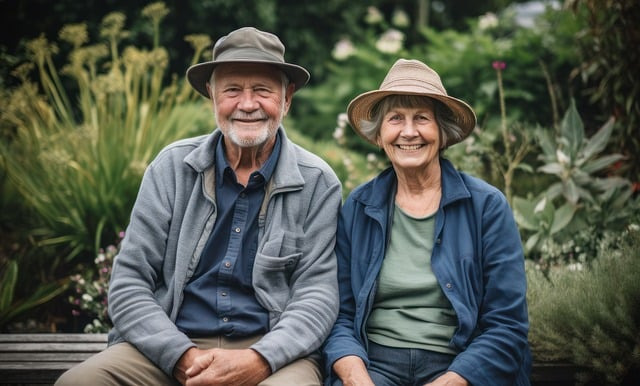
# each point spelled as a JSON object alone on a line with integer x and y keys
{"x": 599, "y": 140}
{"x": 525, "y": 167}
{"x": 554, "y": 190}
{"x": 572, "y": 129}
{"x": 562, "y": 217}
{"x": 601, "y": 163}
{"x": 571, "y": 191}
{"x": 531, "y": 242}
{"x": 43, "y": 294}
{"x": 552, "y": 168}
{"x": 546, "y": 143}
{"x": 523, "y": 213}
{"x": 611, "y": 183}
{"x": 8, "y": 284}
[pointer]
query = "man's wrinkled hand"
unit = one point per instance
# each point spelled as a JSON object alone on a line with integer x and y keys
{"x": 228, "y": 367}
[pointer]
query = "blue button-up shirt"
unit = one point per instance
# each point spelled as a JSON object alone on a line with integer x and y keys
{"x": 219, "y": 299}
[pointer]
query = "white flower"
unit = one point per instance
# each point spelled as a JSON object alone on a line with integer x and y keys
{"x": 101, "y": 257}
{"x": 343, "y": 119}
{"x": 400, "y": 18}
{"x": 338, "y": 133}
{"x": 575, "y": 267}
{"x": 343, "y": 49}
{"x": 374, "y": 16}
{"x": 390, "y": 42}
{"x": 87, "y": 298}
{"x": 487, "y": 21}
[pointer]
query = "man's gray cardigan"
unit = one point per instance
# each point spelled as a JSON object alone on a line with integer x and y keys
{"x": 294, "y": 273}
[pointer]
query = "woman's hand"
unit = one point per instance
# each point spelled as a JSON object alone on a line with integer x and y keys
{"x": 352, "y": 371}
{"x": 449, "y": 379}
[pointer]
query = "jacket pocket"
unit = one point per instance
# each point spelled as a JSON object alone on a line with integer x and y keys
{"x": 273, "y": 267}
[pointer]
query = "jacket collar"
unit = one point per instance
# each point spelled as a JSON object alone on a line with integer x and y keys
{"x": 380, "y": 191}
{"x": 286, "y": 174}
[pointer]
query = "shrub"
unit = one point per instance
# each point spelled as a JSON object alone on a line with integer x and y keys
{"x": 589, "y": 315}
{"x": 585, "y": 206}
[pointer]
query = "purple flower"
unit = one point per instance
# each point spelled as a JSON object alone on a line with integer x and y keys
{"x": 499, "y": 65}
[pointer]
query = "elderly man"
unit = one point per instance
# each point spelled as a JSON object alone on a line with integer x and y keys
{"x": 227, "y": 274}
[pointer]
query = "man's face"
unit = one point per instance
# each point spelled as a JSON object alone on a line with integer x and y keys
{"x": 250, "y": 102}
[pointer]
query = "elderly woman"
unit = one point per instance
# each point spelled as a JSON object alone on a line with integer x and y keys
{"x": 431, "y": 267}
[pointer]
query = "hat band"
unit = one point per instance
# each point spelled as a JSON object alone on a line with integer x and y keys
{"x": 413, "y": 86}
{"x": 248, "y": 54}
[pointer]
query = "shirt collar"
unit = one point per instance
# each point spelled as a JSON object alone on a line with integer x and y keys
{"x": 266, "y": 171}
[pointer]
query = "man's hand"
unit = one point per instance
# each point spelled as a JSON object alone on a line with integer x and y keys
{"x": 186, "y": 361}
{"x": 449, "y": 379}
{"x": 227, "y": 367}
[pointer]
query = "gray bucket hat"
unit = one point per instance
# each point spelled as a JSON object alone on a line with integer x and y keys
{"x": 246, "y": 45}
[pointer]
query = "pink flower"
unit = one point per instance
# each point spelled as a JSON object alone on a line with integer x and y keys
{"x": 499, "y": 65}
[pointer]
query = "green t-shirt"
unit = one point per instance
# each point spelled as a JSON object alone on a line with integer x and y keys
{"x": 410, "y": 310}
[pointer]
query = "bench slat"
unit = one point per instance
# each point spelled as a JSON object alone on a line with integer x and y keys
{"x": 33, "y": 357}
{"x": 41, "y": 358}
{"x": 67, "y": 338}
{"x": 52, "y": 347}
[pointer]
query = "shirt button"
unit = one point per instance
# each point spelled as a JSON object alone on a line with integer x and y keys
{"x": 227, "y": 264}
{"x": 223, "y": 294}
{"x": 237, "y": 230}
{"x": 449, "y": 285}
{"x": 225, "y": 319}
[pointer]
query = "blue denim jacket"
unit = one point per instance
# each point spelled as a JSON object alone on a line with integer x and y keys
{"x": 479, "y": 263}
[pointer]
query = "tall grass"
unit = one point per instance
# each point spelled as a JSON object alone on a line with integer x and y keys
{"x": 76, "y": 160}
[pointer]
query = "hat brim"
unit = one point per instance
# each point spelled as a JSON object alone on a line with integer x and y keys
{"x": 360, "y": 109}
{"x": 199, "y": 74}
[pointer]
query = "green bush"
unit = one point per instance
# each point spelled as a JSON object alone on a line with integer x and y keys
{"x": 589, "y": 315}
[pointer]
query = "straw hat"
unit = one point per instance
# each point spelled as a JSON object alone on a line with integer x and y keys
{"x": 246, "y": 45}
{"x": 410, "y": 77}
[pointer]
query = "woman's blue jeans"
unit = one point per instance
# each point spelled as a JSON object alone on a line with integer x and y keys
{"x": 390, "y": 366}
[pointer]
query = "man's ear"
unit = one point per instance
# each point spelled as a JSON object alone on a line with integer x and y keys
{"x": 209, "y": 90}
{"x": 288, "y": 96}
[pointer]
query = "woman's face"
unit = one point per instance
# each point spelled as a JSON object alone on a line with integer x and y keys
{"x": 410, "y": 137}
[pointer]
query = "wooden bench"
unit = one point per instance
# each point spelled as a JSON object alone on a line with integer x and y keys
{"x": 39, "y": 359}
